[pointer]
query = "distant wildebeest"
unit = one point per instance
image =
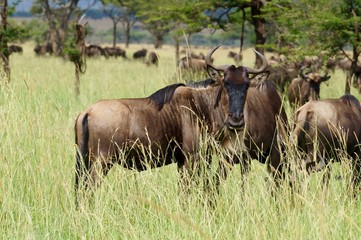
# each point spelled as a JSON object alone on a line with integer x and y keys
{"x": 191, "y": 54}
{"x": 192, "y": 64}
{"x": 153, "y": 59}
{"x": 345, "y": 66}
{"x": 94, "y": 51}
{"x": 282, "y": 74}
{"x": 325, "y": 129}
{"x": 314, "y": 62}
{"x": 15, "y": 49}
{"x": 114, "y": 52}
{"x": 43, "y": 49}
{"x": 306, "y": 87}
{"x": 140, "y": 54}
{"x": 164, "y": 128}
{"x": 357, "y": 78}
{"x": 235, "y": 56}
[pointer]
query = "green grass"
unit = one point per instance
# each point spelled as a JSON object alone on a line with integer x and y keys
{"x": 37, "y": 114}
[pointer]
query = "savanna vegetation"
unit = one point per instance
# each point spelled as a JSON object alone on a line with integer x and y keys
{"x": 38, "y": 108}
{"x": 37, "y": 114}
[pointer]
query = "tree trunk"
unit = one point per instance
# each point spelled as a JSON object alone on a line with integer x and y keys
{"x": 259, "y": 24}
{"x": 114, "y": 33}
{"x": 158, "y": 41}
{"x": 58, "y": 32}
{"x": 4, "y": 42}
{"x": 127, "y": 34}
{"x": 80, "y": 61}
{"x": 176, "y": 39}
{"x": 355, "y": 54}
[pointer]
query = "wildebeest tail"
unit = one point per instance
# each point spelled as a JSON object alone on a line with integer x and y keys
{"x": 82, "y": 154}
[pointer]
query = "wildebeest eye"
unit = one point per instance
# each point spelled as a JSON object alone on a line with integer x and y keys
{"x": 214, "y": 73}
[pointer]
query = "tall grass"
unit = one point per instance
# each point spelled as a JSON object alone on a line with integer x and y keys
{"x": 37, "y": 114}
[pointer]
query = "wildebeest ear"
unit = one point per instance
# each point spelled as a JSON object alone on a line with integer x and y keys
{"x": 259, "y": 78}
{"x": 325, "y": 78}
{"x": 215, "y": 74}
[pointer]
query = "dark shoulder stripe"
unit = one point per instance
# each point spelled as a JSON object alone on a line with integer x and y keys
{"x": 164, "y": 95}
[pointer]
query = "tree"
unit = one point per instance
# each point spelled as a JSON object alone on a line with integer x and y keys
{"x": 113, "y": 12}
{"x": 4, "y": 40}
{"x": 119, "y": 13}
{"x": 322, "y": 26}
{"x": 189, "y": 16}
{"x": 239, "y": 11}
{"x": 58, "y": 15}
{"x": 75, "y": 50}
{"x": 8, "y": 32}
{"x": 149, "y": 13}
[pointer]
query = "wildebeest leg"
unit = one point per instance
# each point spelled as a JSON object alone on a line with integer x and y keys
{"x": 224, "y": 167}
{"x": 275, "y": 167}
{"x": 92, "y": 175}
{"x": 204, "y": 171}
{"x": 184, "y": 183}
{"x": 245, "y": 166}
{"x": 327, "y": 170}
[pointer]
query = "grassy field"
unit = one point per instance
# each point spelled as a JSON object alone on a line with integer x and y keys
{"x": 37, "y": 114}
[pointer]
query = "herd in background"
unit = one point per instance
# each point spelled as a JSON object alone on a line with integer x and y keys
{"x": 300, "y": 81}
{"x": 95, "y": 51}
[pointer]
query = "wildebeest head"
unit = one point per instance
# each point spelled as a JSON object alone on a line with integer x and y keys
{"x": 314, "y": 79}
{"x": 235, "y": 81}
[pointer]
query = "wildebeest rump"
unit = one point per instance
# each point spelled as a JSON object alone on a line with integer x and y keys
{"x": 142, "y": 53}
{"x": 15, "y": 49}
{"x": 333, "y": 126}
{"x": 114, "y": 52}
{"x": 161, "y": 129}
{"x": 153, "y": 59}
{"x": 93, "y": 50}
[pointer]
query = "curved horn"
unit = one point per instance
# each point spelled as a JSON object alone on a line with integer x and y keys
{"x": 262, "y": 68}
{"x": 302, "y": 74}
{"x": 209, "y": 61}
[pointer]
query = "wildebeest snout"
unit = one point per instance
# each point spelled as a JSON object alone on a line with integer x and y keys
{"x": 235, "y": 120}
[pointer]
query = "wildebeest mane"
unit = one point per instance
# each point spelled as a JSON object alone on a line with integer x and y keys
{"x": 202, "y": 84}
{"x": 351, "y": 101}
{"x": 263, "y": 85}
{"x": 164, "y": 95}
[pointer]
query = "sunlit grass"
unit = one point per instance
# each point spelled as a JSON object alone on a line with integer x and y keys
{"x": 37, "y": 114}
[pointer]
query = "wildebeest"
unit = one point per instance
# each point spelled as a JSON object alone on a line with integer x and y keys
{"x": 140, "y": 54}
{"x": 15, "y": 49}
{"x": 235, "y": 56}
{"x": 282, "y": 74}
{"x": 153, "y": 59}
{"x": 114, "y": 52}
{"x": 43, "y": 49}
{"x": 306, "y": 87}
{"x": 192, "y": 54}
{"x": 192, "y": 64}
{"x": 345, "y": 65}
{"x": 161, "y": 129}
{"x": 326, "y": 128}
{"x": 94, "y": 51}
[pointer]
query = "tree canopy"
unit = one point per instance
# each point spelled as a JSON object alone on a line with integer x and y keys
{"x": 319, "y": 27}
